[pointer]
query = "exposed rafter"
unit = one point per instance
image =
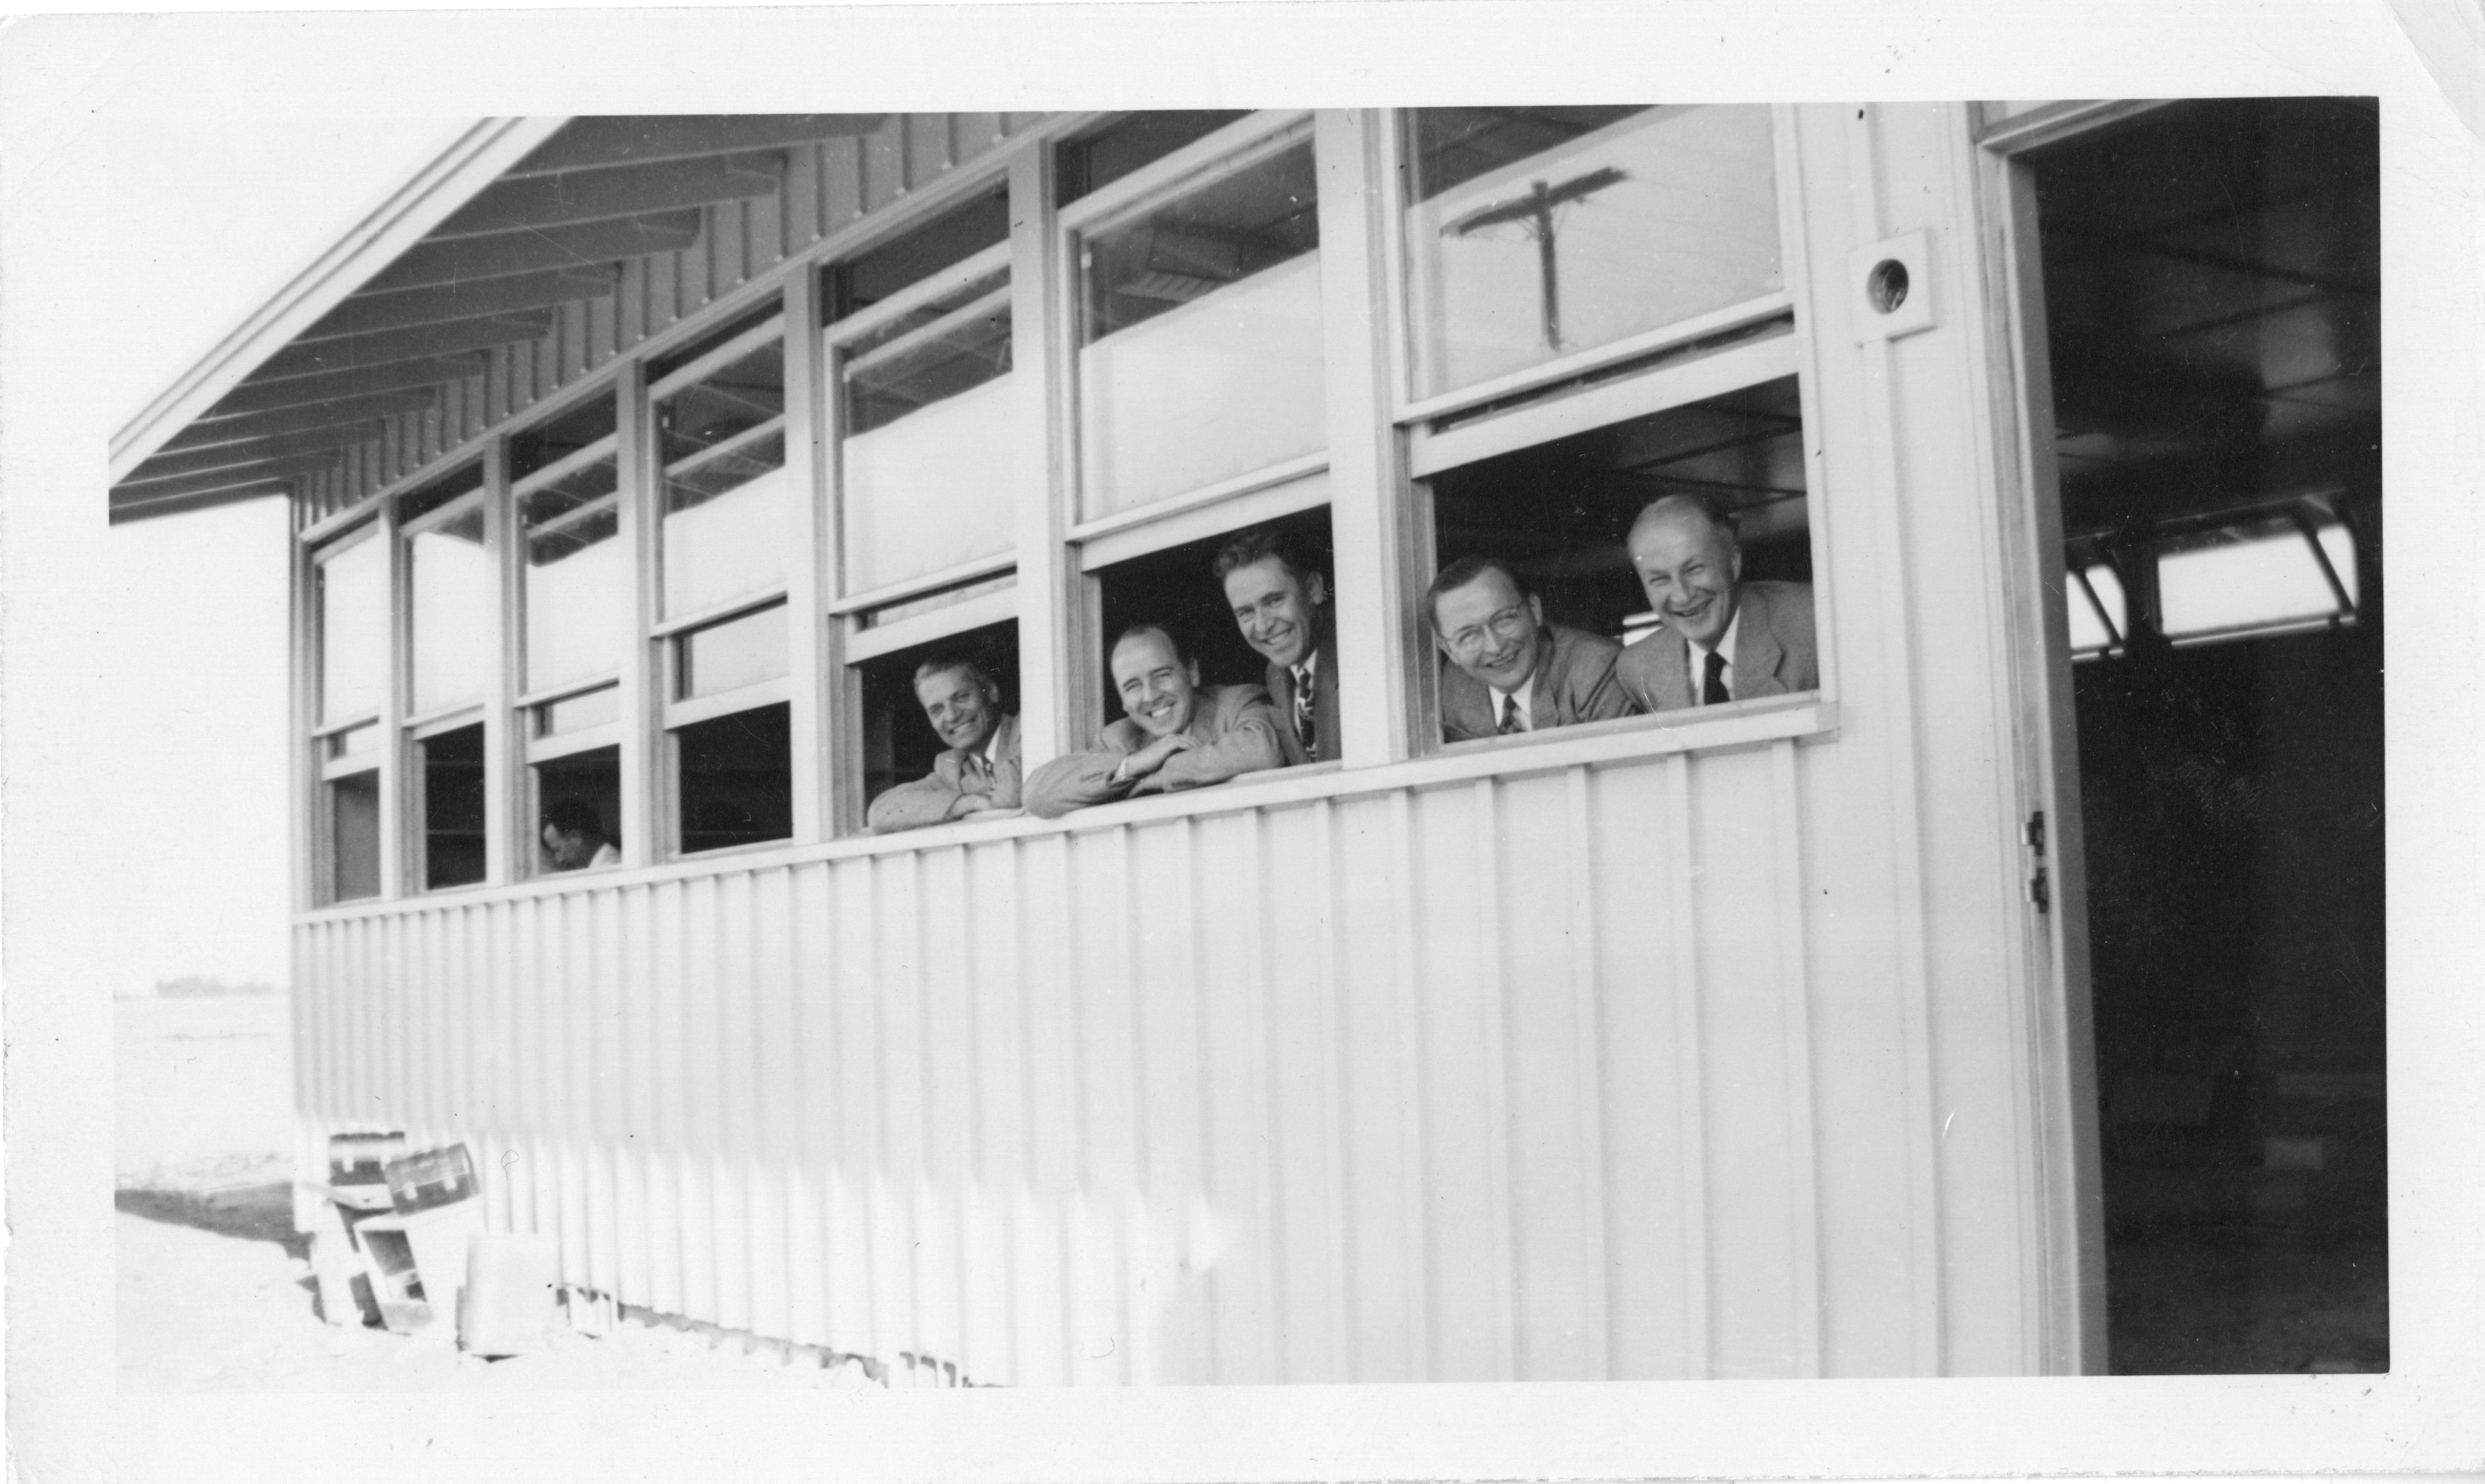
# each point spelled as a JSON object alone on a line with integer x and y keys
{"x": 195, "y": 461}
{"x": 642, "y": 139}
{"x": 617, "y": 190}
{"x": 366, "y": 313}
{"x": 213, "y": 431}
{"x": 535, "y": 248}
{"x": 323, "y": 358}
{"x": 309, "y": 391}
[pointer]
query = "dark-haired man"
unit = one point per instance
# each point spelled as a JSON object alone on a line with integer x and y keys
{"x": 574, "y": 838}
{"x": 1176, "y": 734}
{"x": 1724, "y": 640}
{"x": 979, "y": 770}
{"x": 1509, "y": 670}
{"x": 1280, "y": 602}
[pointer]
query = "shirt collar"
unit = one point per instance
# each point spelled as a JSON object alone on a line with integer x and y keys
{"x": 1501, "y": 700}
{"x": 1725, "y": 641}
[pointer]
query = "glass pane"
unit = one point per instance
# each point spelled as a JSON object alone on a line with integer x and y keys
{"x": 952, "y": 238}
{"x": 934, "y": 451}
{"x": 731, "y": 400}
{"x": 736, "y": 653}
{"x": 935, "y": 601}
{"x": 1533, "y": 232}
{"x": 451, "y": 578}
{"x": 2250, "y": 577}
{"x": 577, "y": 586}
{"x": 547, "y": 444}
{"x": 354, "y": 837}
{"x": 726, "y": 521}
{"x": 1201, "y": 354}
{"x": 572, "y": 791}
{"x": 595, "y": 708}
{"x": 353, "y": 630}
{"x": 2088, "y": 633}
{"x": 414, "y": 504}
{"x": 735, "y": 779}
{"x": 453, "y": 807}
{"x": 355, "y": 742}
{"x": 1112, "y": 152}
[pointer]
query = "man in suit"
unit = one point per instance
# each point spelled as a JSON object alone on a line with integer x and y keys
{"x": 1177, "y": 734}
{"x": 1281, "y": 604}
{"x": 1509, "y": 670}
{"x": 980, "y": 768}
{"x": 1724, "y": 640}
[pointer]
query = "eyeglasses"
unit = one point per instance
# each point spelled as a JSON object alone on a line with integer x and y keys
{"x": 1505, "y": 626}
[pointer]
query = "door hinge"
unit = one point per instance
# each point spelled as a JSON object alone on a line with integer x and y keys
{"x": 2031, "y": 834}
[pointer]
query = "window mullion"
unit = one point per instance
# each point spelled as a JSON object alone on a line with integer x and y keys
{"x": 642, "y": 806}
{"x": 1052, "y": 687}
{"x": 809, "y": 651}
{"x": 502, "y": 799}
{"x": 396, "y": 836}
{"x": 1368, "y": 522}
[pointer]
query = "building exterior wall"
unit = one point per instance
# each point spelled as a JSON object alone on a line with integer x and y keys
{"x": 1708, "y": 1050}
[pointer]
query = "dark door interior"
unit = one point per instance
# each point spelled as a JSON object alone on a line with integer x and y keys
{"x": 2213, "y": 294}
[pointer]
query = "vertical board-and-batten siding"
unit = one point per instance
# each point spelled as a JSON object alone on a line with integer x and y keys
{"x": 826, "y": 187}
{"x": 1359, "y": 1087}
{"x": 1690, "y": 1063}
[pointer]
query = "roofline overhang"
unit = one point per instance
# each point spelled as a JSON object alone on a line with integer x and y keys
{"x": 479, "y": 154}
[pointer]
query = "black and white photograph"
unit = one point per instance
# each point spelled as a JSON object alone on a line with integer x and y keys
{"x": 1322, "y": 741}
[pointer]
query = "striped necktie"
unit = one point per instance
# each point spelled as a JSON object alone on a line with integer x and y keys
{"x": 1511, "y": 721}
{"x": 1306, "y": 725}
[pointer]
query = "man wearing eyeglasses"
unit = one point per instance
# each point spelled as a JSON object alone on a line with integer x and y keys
{"x": 1510, "y": 671}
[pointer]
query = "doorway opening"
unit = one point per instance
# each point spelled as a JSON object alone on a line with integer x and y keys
{"x": 2213, "y": 293}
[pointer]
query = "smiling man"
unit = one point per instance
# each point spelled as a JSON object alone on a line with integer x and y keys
{"x": 1509, "y": 670}
{"x": 979, "y": 770}
{"x": 1176, "y": 734}
{"x": 1724, "y": 640}
{"x": 1280, "y": 603}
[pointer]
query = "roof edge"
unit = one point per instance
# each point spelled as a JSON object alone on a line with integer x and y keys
{"x": 474, "y": 160}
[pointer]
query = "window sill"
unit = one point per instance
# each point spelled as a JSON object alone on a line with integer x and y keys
{"x": 1809, "y": 717}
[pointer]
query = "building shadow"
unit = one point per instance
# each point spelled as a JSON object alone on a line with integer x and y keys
{"x": 254, "y": 1213}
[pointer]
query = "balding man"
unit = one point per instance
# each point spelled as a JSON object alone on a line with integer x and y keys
{"x": 1176, "y": 734}
{"x": 1509, "y": 670}
{"x": 1724, "y": 640}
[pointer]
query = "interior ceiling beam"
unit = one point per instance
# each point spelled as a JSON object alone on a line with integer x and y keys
{"x": 209, "y": 432}
{"x": 258, "y": 450}
{"x": 366, "y": 313}
{"x": 312, "y": 392}
{"x": 618, "y": 140}
{"x": 532, "y": 250}
{"x": 322, "y": 358}
{"x": 618, "y": 190}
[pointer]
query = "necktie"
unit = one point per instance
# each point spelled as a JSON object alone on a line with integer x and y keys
{"x": 1713, "y": 684}
{"x": 1306, "y": 725}
{"x": 974, "y": 778}
{"x": 1510, "y": 719}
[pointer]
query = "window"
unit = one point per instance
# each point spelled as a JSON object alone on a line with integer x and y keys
{"x": 1175, "y": 588}
{"x": 2267, "y": 576}
{"x": 1533, "y": 234}
{"x": 450, "y": 575}
{"x": 898, "y": 742}
{"x": 1200, "y": 357}
{"x": 2099, "y": 617}
{"x": 588, "y": 780}
{"x": 349, "y": 585}
{"x": 451, "y": 777}
{"x": 574, "y": 582}
{"x": 722, "y": 542}
{"x": 1561, "y": 514}
{"x": 933, "y": 451}
{"x": 1134, "y": 140}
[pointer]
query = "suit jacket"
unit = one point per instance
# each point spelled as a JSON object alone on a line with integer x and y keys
{"x": 928, "y": 799}
{"x": 1574, "y": 682}
{"x": 1281, "y": 695}
{"x": 1236, "y": 731}
{"x": 1774, "y": 651}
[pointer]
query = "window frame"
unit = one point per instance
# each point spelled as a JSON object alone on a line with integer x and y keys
{"x": 1542, "y": 412}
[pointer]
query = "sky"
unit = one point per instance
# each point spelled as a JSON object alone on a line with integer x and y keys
{"x": 171, "y": 636}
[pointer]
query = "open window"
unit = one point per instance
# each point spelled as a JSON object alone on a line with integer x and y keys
{"x": 899, "y": 742}
{"x": 724, "y": 535}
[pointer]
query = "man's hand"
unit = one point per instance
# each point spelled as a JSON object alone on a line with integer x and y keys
{"x": 969, "y": 803}
{"x": 1148, "y": 759}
